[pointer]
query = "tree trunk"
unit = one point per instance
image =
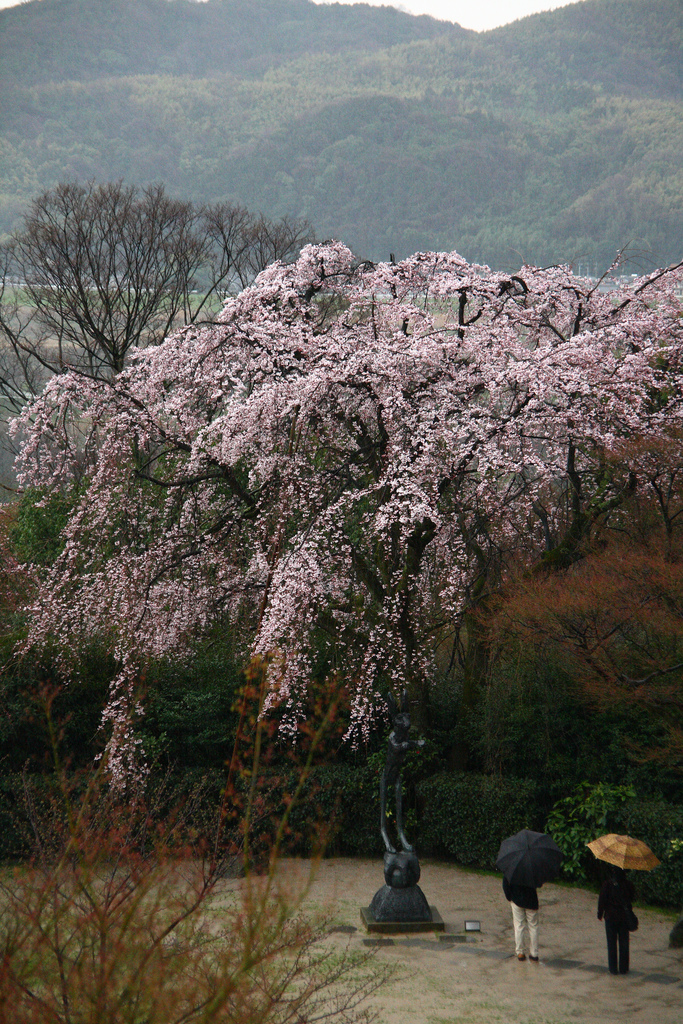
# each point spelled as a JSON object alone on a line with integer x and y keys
{"x": 475, "y": 673}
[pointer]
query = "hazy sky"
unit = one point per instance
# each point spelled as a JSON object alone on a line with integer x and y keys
{"x": 477, "y": 14}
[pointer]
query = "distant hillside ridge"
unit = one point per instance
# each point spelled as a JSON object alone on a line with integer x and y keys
{"x": 83, "y": 40}
{"x": 558, "y": 138}
{"x": 627, "y": 46}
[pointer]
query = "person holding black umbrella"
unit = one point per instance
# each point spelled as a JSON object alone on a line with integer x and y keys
{"x": 523, "y": 901}
{"x": 527, "y": 860}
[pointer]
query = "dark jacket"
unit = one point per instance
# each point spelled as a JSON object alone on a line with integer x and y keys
{"x": 616, "y": 896}
{"x": 522, "y": 895}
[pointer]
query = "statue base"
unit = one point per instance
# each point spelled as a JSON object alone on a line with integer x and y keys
{"x": 434, "y": 924}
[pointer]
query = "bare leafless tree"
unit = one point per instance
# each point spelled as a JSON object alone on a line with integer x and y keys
{"x": 242, "y": 244}
{"x": 98, "y": 270}
{"x": 269, "y": 241}
{"x": 103, "y": 268}
{"x": 20, "y": 371}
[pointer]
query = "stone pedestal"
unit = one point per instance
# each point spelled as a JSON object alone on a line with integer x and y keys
{"x": 435, "y": 924}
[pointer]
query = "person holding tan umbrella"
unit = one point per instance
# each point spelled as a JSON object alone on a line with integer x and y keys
{"x": 615, "y": 902}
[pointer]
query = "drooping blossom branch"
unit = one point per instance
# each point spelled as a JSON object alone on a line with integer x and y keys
{"x": 340, "y": 460}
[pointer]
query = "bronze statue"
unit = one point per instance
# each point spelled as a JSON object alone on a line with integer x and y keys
{"x": 399, "y": 905}
{"x": 399, "y": 745}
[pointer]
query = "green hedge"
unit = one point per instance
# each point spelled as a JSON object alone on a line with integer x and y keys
{"x": 466, "y": 816}
{"x": 660, "y": 825}
{"x": 338, "y": 804}
{"x": 462, "y": 815}
{"x": 344, "y": 798}
{"x": 15, "y": 838}
{"x": 31, "y": 808}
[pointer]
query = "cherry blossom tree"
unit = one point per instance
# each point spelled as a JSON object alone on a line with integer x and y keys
{"x": 345, "y": 462}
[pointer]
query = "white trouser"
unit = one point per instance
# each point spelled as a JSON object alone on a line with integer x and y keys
{"x": 525, "y": 919}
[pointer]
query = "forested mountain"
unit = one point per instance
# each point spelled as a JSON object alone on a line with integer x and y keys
{"x": 559, "y": 137}
{"x": 58, "y": 40}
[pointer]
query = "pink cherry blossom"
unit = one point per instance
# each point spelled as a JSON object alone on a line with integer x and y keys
{"x": 341, "y": 459}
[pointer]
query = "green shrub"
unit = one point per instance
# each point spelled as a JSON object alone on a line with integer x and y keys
{"x": 36, "y": 535}
{"x": 460, "y": 815}
{"x": 29, "y": 802}
{"x": 593, "y": 811}
{"x": 581, "y": 817}
{"x": 660, "y": 825}
{"x": 342, "y": 797}
{"x": 467, "y": 816}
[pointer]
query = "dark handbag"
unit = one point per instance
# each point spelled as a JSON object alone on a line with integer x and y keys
{"x": 631, "y": 920}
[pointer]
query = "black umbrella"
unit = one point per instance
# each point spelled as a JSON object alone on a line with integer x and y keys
{"x": 529, "y": 858}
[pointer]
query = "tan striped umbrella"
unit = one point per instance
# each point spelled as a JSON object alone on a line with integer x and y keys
{"x": 625, "y": 852}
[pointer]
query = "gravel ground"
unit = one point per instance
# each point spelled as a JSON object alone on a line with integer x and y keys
{"x": 481, "y": 982}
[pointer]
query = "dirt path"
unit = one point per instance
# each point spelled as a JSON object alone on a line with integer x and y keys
{"x": 481, "y": 982}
